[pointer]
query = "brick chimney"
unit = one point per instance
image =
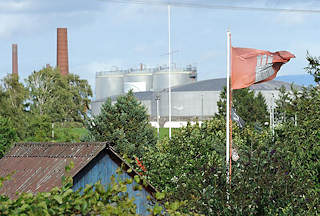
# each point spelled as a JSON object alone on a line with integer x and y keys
{"x": 14, "y": 59}
{"x": 62, "y": 50}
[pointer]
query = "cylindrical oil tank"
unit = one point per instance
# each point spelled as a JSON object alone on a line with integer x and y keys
{"x": 178, "y": 77}
{"x": 109, "y": 84}
{"x": 138, "y": 81}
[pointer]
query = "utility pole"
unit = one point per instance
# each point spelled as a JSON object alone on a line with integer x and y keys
{"x": 202, "y": 107}
{"x": 169, "y": 62}
{"x": 52, "y": 130}
{"x": 158, "y": 116}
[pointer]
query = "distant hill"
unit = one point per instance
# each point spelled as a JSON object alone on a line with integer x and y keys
{"x": 299, "y": 79}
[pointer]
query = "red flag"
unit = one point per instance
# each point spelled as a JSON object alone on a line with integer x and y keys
{"x": 251, "y": 66}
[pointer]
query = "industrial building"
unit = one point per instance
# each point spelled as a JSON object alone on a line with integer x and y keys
{"x": 116, "y": 82}
{"x": 194, "y": 100}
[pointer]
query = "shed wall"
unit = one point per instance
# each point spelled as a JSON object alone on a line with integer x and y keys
{"x": 102, "y": 168}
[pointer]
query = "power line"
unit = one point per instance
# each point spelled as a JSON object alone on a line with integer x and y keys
{"x": 215, "y": 7}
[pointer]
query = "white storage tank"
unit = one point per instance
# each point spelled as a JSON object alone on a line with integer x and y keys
{"x": 178, "y": 77}
{"x": 138, "y": 81}
{"x": 109, "y": 84}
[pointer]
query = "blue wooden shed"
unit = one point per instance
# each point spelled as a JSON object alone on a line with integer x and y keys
{"x": 40, "y": 166}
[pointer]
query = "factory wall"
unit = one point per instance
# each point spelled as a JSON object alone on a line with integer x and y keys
{"x": 96, "y": 106}
{"x": 187, "y": 105}
{"x": 195, "y": 104}
{"x": 269, "y": 95}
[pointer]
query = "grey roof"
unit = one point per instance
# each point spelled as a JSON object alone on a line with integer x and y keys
{"x": 218, "y": 84}
{"x": 206, "y": 85}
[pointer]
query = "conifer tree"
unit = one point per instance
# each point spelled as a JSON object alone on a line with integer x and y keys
{"x": 124, "y": 124}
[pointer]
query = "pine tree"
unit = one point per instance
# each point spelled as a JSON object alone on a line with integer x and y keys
{"x": 124, "y": 125}
{"x": 252, "y": 109}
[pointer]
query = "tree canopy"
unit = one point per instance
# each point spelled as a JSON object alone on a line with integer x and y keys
{"x": 61, "y": 97}
{"x": 46, "y": 97}
{"x": 250, "y": 107}
{"x": 8, "y": 135}
{"x": 124, "y": 124}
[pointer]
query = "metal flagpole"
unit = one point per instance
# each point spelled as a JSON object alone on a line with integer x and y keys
{"x": 228, "y": 109}
{"x": 169, "y": 41}
{"x": 230, "y": 126}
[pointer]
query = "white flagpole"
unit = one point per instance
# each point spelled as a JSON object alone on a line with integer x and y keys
{"x": 228, "y": 108}
{"x": 169, "y": 41}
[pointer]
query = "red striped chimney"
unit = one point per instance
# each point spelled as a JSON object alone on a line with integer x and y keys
{"x": 14, "y": 59}
{"x": 62, "y": 50}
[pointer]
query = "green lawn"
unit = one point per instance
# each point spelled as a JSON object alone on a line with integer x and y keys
{"x": 164, "y": 132}
{"x": 69, "y": 134}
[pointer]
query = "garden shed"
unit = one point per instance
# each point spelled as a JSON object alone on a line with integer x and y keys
{"x": 38, "y": 167}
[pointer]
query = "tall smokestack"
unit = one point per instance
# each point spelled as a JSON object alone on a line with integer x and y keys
{"x": 14, "y": 59}
{"x": 62, "y": 50}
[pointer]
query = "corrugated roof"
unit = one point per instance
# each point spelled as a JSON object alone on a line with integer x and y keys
{"x": 40, "y": 166}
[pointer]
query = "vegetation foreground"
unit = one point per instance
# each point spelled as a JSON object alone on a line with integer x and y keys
{"x": 275, "y": 174}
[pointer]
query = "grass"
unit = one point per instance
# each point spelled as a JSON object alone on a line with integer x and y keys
{"x": 69, "y": 134}
{"x": 164, "y": 132}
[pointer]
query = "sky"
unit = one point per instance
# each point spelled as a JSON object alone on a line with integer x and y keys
{"x": 104, "y": 35}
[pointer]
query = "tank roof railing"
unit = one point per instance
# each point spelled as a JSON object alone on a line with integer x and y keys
{"x": 145, "y": 70}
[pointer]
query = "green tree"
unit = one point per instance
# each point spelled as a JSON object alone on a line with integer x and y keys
{"x": 38, "y": 128}
{"x": 124, "y": 124}
{"x": 13, "y": 104}
{"x": 250, "y": 107}
{"x": 266, "y": 180}
{"x": 61, "y": 97}
{"x": 313, "y": 67}
{"x": 8, "y": 135}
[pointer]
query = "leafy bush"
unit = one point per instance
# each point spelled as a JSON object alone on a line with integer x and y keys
{"x": 93, "y": 200}
{"x": 265, "y": 180}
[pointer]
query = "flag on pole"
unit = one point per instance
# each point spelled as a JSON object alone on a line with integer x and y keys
{"x": 251, "y": 66}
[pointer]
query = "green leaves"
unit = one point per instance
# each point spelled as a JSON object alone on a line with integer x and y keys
{"x": 272, "y": 176}
{"x": 8, "y": 135}
{"x": 93, "y": 200}
{"x": 61, "y": 97}
{"x": 250, "y": 107}
{"x": 160, "y": 196}
{"x": 124, "y": 124}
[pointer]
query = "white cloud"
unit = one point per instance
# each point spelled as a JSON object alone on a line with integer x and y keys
{"x": 10, "y": 6}
{"x": 25, "y": 16}
{"x": 12, "y": 23}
